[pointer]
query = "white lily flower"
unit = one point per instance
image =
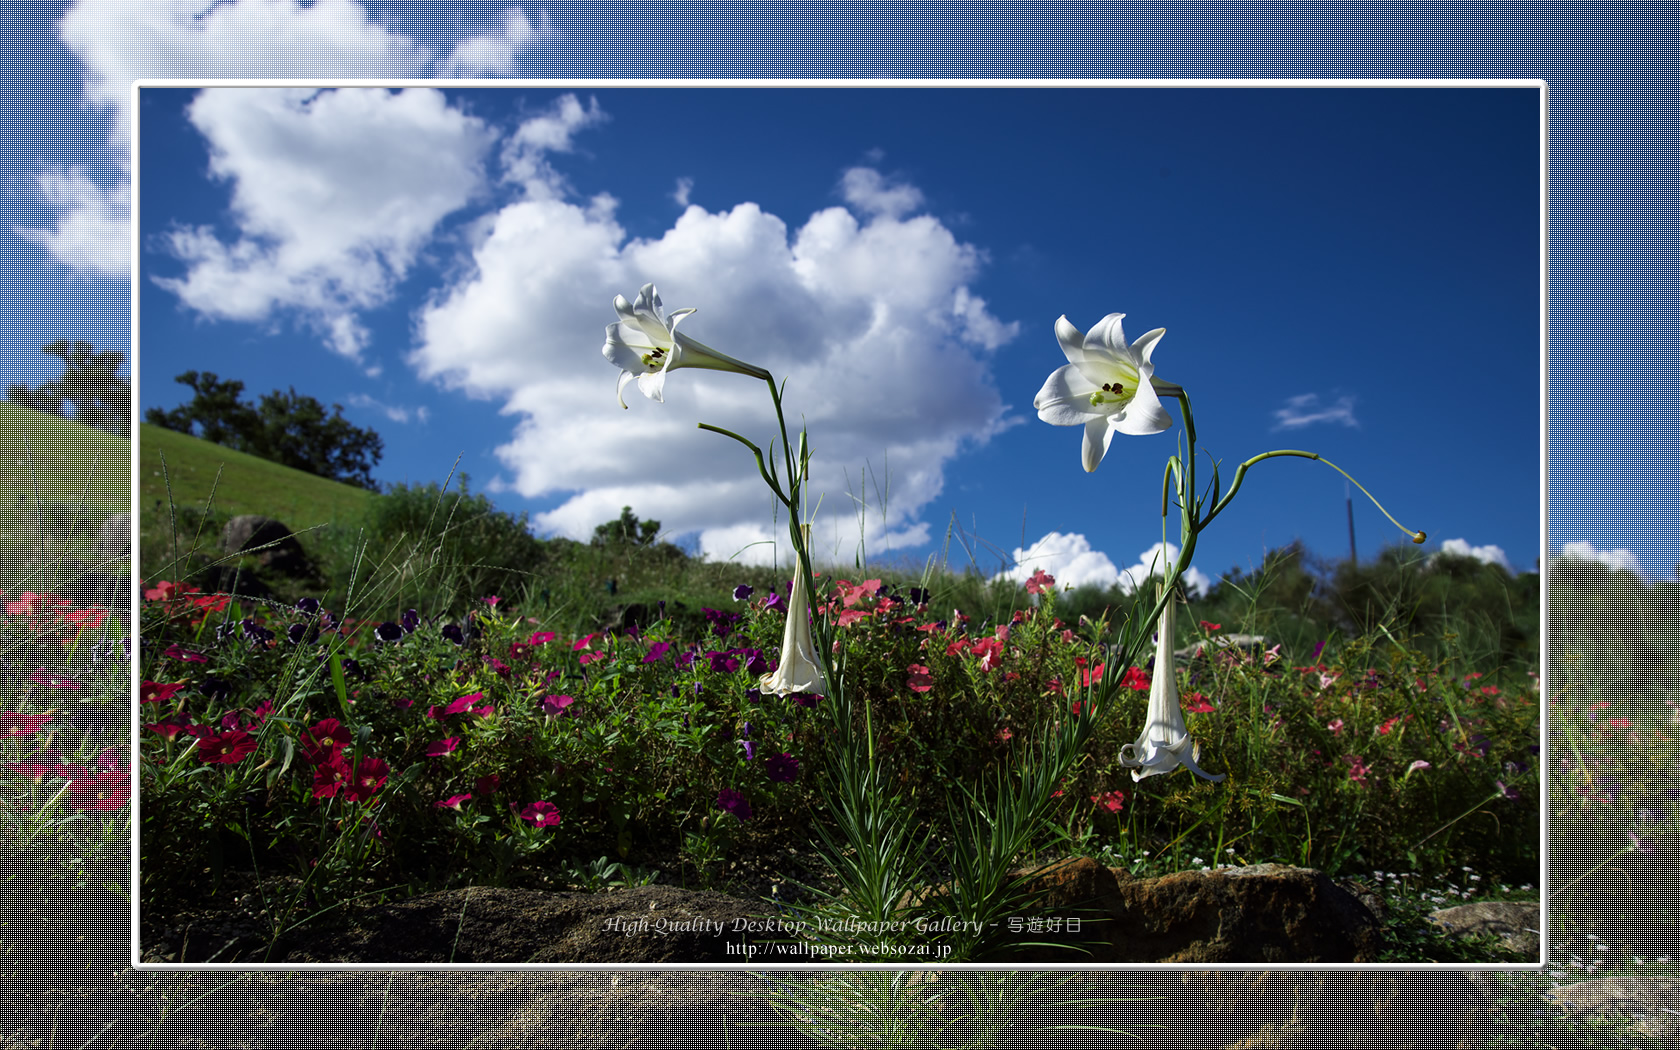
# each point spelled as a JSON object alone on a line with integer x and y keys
{"x": 797, "y": 671}
{"x": 1108, "y": 386}
{"x": 1165, "y": 743}
{"x": 645, "y": 345}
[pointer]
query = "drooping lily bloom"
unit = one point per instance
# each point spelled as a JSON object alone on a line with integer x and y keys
{"x": 1108, "y": 386}
{"x": 645, "y": 345}
{"x": 798, "y": 670}
{"x": 1165, "y": 742}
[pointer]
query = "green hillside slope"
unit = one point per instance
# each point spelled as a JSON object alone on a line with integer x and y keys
{"x": 246, "y": 484}
{"x": 79, "y": 471}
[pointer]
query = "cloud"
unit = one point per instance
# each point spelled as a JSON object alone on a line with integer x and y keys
{"x": 1303, "y": 410}
{"x": 523, "y": 158}
{"x": 1069, "y": 558}
{"x": 859, "y": 317}
{"x": 334, "y": 193}
{"x": 866, "y": 190}
{"x": 119, "y": 41}
{"x": 1620, "y": 559}
{"x": 91, "y": 231}
{"x": 685, "y": 186}
{"x": 1489, "y": 555}
{"x": 395, "y": 413}
{"x": 496, "y": 52}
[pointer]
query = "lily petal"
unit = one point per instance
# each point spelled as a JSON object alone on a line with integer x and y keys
{"x": 797, "y": 671}
{"x": 645, "y": 345}
{"x": 1165, "y": 743}
{"x": 1108, "y": 386}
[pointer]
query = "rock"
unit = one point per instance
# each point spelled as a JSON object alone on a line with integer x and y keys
{"x": 1341, "y": 1011}
{"x": 485, "y": 924}
{"x": 271, "y": 541}
{"x": 1644, "y": 1005}
{"x": 1515, "y": 923}
{"x": 1248, "y": 642}
{"x": 1265, "y": 914}
{"x": 116, "y": 536}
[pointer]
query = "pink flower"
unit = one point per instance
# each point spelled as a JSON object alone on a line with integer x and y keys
{"x": 14, "y": 724}
{"x": 1040, "y": 582}
{"x": 1197, "y": 704}
{"x": 920, "y": 679}
{"x": 1357, "y": 769}
{"x": 453, "y": 801}
{"x": 555, "y": 705}
{"x": 541, "y": 638}
{"x": 443, "y": 747}
{"x": 1335, "y": 726}
{"x": 369, "y": 778}
{"x": 1111, "y": 801}
{"x": 464, "y": 704}
{"x": 542, "y": 814}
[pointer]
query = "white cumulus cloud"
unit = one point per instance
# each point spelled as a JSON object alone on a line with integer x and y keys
{"x": 523, "y": 159}
{"x": 91, "y": 230}
{"x": 871, "y": 193}
{"x": 859, "y": 317}
{"x": 1489, "y": 555}
{"x": 1070, "y": 558}
{"x": 496, "y": 52}
{"x": 1620, "y": 559}
{"x": 1304, "y": 410}
{"x": 334, "y": 193}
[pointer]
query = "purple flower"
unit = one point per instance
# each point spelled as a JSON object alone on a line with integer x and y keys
{"x": 723, "y": 663}
{"x": 1642, "y": 845}
{"x": 743, "y": 592}
{"x": 732, "y": 801}
{"x": 1509, "y": 793}
{"x": 782, "y": 768}
{"x": 805, "y": 699}
{"x": 656, "y": 651}
{"x": 388, "y": 632}
{"x": 747, "y": 746}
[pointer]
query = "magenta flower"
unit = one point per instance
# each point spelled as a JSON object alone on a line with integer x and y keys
{"x": 226, "y": 748}
{"x": 656, "y": 651}
{"x": 556, "y": 705}
{"x": 921, "y": 680}
{"x": 105, "y": 790}
{"x": 735, "y": 803}
{"x": 13, "y": 723}
{"x": 330, "y": 775}
{"x": 781, "y": 769}
{"x": 443, "y": 747}
{"x": 465, "y": 704}
{"x": 178, "y": 653}
{"x": 453, "y": 801}
{"x": 542, "y": 814}
{"x": 44, "y": 677}
{"x": 369, "y": 778}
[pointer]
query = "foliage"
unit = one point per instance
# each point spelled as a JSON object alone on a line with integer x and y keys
{"x": 287, "y": 428}
{"x": 90, "y": 383}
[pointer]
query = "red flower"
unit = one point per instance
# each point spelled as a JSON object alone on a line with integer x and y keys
{"x": 227, "y": 748}
{"x": 1388, "y": 726}
{"x": 1196, "y": 703}
{"x": 105, "y": 790}
{"x": 1209, "y": 627}
{"x": 1040, "y": 582}
{"x": 920, "y": 680}
{"x": 14, "y": 724}
{"x": 1111, "y": 801}
{"x": 157, "y": 692}
{"x": 1136, "y": 678}
{"x": 370, "y": 777}
{"x": 330, "y": 775}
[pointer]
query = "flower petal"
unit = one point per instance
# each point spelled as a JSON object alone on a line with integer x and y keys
{"x": 1142, "y": 413}
{"x": 1098, "y": 433}
{"x": 1065, "y": 398}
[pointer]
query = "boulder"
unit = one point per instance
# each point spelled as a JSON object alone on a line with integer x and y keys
{"x": 115, "y": 536}
{"x": 1642, "y": 1005}
{"x": 1515, "y": 923}
{"x": 271, "y": 541}
{"x": 1265, "y": 914}
{"x": 487, "y": 924}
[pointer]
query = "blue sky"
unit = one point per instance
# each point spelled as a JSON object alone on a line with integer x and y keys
{"x": 1349, "y": 271}
{"x": 1366, "y": 256}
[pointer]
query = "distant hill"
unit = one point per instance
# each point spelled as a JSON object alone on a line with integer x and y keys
{"x": 247, "y": 484}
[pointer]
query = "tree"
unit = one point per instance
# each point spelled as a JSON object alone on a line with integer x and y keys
{"x": 90, "y": 383}
{"x": 627, "y": 529}
{"x": 284, "y": 427}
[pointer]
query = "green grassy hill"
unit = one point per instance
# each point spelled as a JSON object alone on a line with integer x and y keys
{"x": 188, "y": 472}
{"x": 79, "y": 470}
